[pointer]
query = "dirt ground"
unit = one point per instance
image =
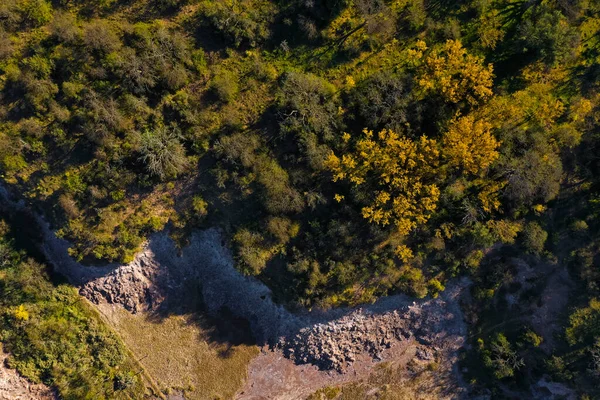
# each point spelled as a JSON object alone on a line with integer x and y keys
{"x": 425, "y": 362}
{"x": 14, "y": 387}
{"x": 273, "y": 376}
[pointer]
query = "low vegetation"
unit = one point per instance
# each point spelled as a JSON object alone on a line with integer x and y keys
{"x": 183, "y": 354}
{"x": 349, "y": 149}
{"x": 53, "y": 336}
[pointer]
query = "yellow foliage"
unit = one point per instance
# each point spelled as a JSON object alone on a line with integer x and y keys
{"x": 20, "y": 313}
{"x": 455, "y": 74}
{"x": 538, "y": 72}
{"x": 489, "y": 194}
{"x": 535, "y": 105}
{"x": 580, "y": 109}
{"x": 397, "y": 171}
{"x": 350, "y": 82}
{"x": 446, "y": 230}
{"x": 404, "y": 253}
{"x": 505, "y": 230}
{"x": 416, "y": 54}
{"x": 490, "y": 29}
{"x": 470, "y": 145}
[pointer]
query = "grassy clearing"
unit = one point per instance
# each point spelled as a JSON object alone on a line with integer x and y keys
{"x": 178, "y": 353}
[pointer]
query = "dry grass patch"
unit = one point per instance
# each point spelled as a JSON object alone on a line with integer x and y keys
{"x": 393, "y": 382}
{"x": 178, "y": 354}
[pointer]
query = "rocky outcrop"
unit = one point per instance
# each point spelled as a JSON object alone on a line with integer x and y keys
{"x": 337, "y": 344}
{"x": 134, "y": 286}
{"x": 436, "y": 324}
{"x": 162, "y": 278}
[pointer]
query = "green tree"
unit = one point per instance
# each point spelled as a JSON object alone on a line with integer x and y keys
{"x": 501, "y": 358}
{"x": 162, "y": 152}
{"x": 534, "y": 237}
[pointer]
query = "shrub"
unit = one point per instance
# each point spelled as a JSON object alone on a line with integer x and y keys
{"x": 579, "y": 226}
{"x": 6, "y": 46}
{"x": 501, "y": 358}
{"x": 308, "y": 104}
{"x": 170, "y": 4}
{"x": 200, "y": 206}
{"x": 534, "y": 238}
{"x": 64, "y": 27}
{"x": 239, "y": 21}
{"x": 504, "y": 230}
{"x": 584, "y": 324}
{"x": 100, "y": 36}
{"x": 535, "y": 177}
{"x": 382, "y": 100}
{"x": 224, "y": 86}
{"x": 282, "y": 228}
{"x": 55, "y": 338}
{"x": 547, "y": 33}
{"x": 162, "y": 152}
{"x": 36, "y": 12}
{"x": 251, "y": 251}
{"x": 532, "y": 338}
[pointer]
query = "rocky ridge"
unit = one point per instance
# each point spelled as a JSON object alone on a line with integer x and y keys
{"x": 337, "y": 344}
{"x": 162, "y": 277}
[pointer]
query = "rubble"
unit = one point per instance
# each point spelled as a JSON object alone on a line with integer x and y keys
{"x": 337, "y": 344}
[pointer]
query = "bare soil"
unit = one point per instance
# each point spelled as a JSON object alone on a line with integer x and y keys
{"x": 15, "y": 387}
{"x": 413, "y": 338}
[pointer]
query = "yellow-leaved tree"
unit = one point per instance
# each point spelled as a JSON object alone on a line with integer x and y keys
{"x": 469, "y": 144}
{"x": 453, "y": 73}
{"x": 397, "y": 175}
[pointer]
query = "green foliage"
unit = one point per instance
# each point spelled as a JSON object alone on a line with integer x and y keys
{"x": 54, "y": 337}
{"x": 500, "y": 357}
{"x": 534, "y": 238}
{"x": 162, "y": 152}
{"x": 224, "y": 86}
{"x": 252, "y": 251}
{"x": 452, "y": 126}
{"x": 584, "y": 324}
{"x": 547, "y": 32}
{"x": 200, "y": 206}
{"x": 384, "y": 100}
{"x": 239, "y": 21}
{"x": 36, "y": 12}
{"x": 533, "y": 338}
{"x": 308, "y": 104}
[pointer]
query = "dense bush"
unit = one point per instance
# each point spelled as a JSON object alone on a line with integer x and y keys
{"x": 534, "y": 237}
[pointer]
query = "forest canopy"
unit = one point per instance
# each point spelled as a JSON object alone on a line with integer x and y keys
{"x": 347, "y": 149}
